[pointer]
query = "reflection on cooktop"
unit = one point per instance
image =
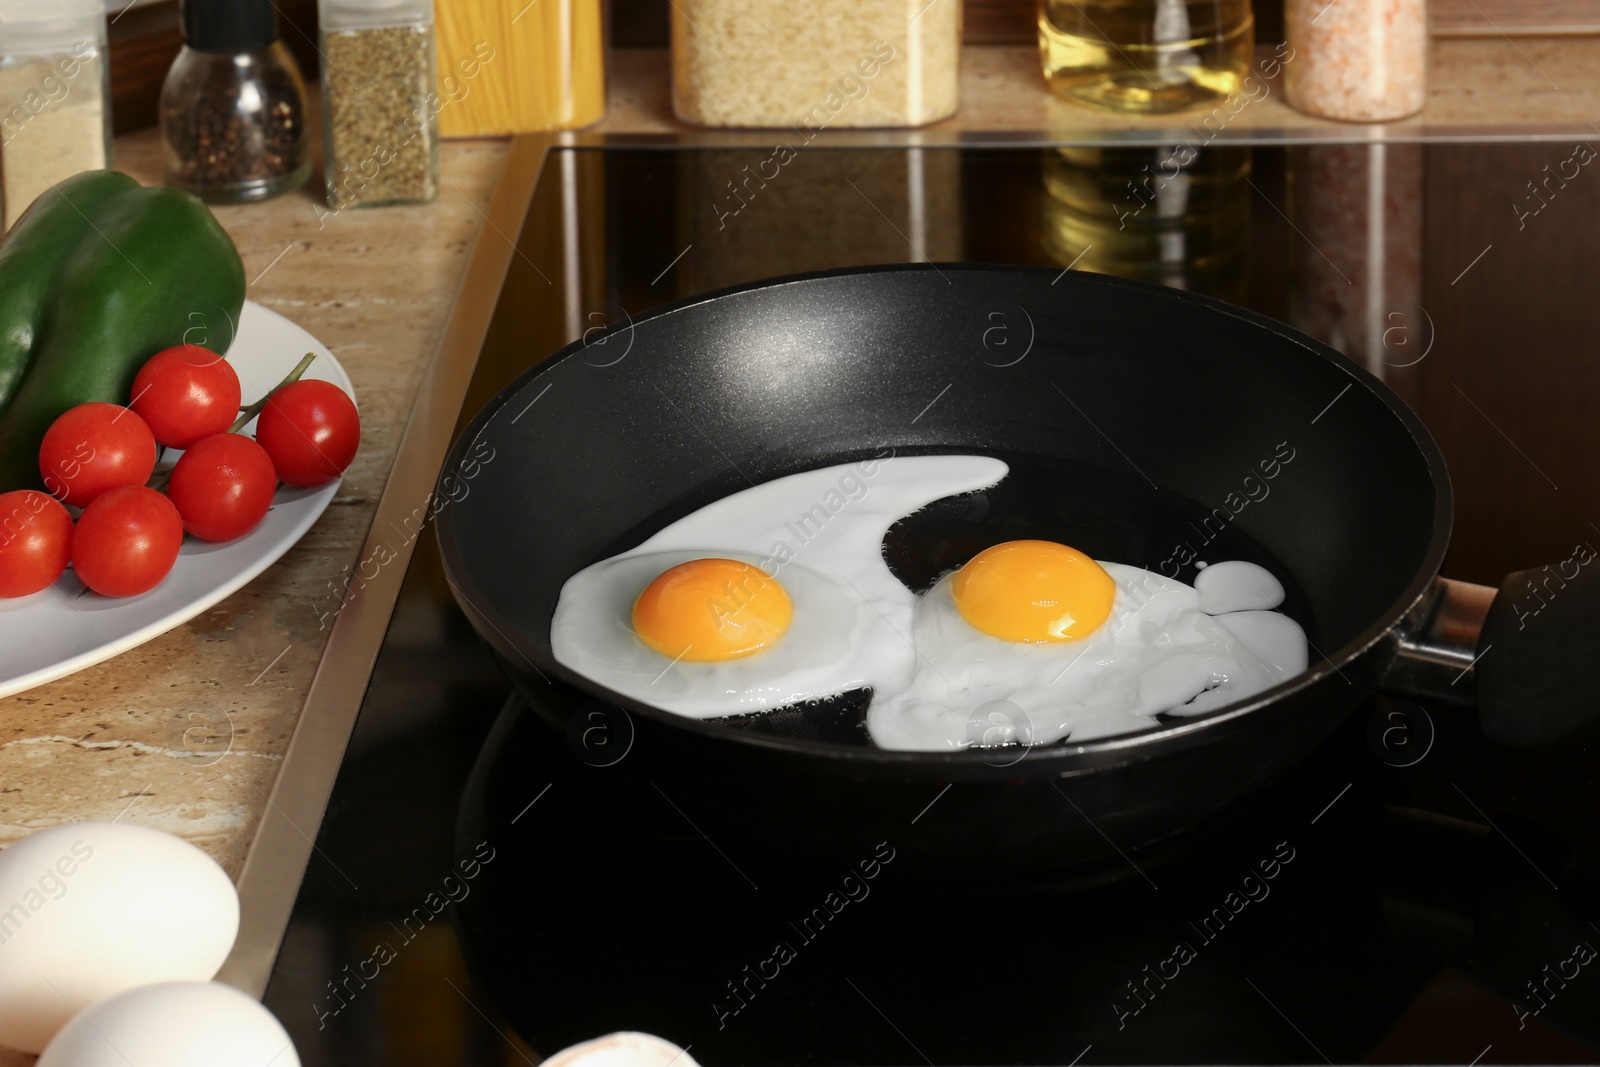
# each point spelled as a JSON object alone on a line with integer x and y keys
{"x": 1306, "y": 925}
{"x": 487, "y": 889}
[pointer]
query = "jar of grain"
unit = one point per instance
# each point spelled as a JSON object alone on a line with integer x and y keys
{"x": 55, "y": 103}
{"x": 233, "y": 107}
{"x": 1356, "y": 60}
{"x": 380, "y": 113}
{"x": 827, "y": 63}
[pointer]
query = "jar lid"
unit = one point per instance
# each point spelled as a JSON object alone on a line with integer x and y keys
{"x": 366, "y": 14}
{"x": 229, "y": 26}
{"x": 50, "y": 25}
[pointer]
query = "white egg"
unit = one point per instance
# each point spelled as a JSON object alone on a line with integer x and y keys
{"x": 173, "y": 1024}
{"x": 626, "y": 1049}
{"x": 1158, "y": 652}
{"x": 937, "y": 682}
{"x": 90, "y": 909}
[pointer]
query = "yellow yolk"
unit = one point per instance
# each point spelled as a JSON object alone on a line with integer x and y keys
{"x": 707, "y": 610}
{"x": 1033, "y": 591}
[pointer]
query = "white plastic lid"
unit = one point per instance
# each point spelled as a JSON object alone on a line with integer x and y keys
{"x": 370, "y": 14}
{"x": 46, "y": 26}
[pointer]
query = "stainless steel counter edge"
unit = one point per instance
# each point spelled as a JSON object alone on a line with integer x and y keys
{"x": 284, "y": 841}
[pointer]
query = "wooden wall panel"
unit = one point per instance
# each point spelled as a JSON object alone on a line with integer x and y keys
{"x": 1510, "y": 387}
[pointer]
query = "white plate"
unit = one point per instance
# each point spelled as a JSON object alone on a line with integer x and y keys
{"x": 66, "y": 628}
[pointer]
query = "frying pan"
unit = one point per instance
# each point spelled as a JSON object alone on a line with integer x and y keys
{"x": 1132, "y": 414}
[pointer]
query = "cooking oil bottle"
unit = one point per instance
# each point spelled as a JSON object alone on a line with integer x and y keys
{"x": 1145, "y": 56}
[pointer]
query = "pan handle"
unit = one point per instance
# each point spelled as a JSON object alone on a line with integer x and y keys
{"x": 1520, "y": 653}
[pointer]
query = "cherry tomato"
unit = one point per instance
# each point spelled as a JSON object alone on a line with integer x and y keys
{"x": 92, "y": 448}
{"x": 311, "y": 431}
{"x": 186, "y": 393}
{"x": 222, "y": 486}
{"x": 126, "y": 541}
{"x": 35, "y": 541}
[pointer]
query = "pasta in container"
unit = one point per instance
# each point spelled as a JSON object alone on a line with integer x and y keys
{"x": 829, "y": 63}
{"x": 510, "y": 66}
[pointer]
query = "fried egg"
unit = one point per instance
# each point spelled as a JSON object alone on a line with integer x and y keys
{"x": 814, "y": 537}
{"x": 780, "y": 594}
{"x": 1156, "y": 651}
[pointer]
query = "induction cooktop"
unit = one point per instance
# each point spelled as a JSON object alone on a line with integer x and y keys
{"x": 486, "y": 890}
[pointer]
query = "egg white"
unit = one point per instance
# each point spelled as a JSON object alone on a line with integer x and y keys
{"x": 937, "y": 683}
{"x": 1158, "y": 652}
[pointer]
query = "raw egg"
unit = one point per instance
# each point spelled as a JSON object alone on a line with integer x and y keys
{"x": 173, "y": 1024}
{"x": 626, "y": 1049}
{"x": 90, "y": 909}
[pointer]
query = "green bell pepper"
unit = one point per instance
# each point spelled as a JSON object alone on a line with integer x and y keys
{"x": 97, "y": 276}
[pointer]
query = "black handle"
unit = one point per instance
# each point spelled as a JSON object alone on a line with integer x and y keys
{"x": 1524, "y": 654}
{"x": 1537, "y": 675}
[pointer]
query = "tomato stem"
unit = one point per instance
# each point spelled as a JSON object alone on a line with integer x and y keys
{"x": 255, "y": 409}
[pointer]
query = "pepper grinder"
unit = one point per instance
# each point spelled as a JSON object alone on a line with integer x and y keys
{"x": 233, "y": 107}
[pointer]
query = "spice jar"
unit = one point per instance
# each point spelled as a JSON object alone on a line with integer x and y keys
{"x": 379, "y": 108}
{"x": 815, "y": 65}
{"x": 1357, "y": 60}
{"x": 233, "y": 107}
{"x": 55, "y": 109}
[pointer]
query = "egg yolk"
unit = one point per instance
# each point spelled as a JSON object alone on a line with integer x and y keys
{"x": 1034, "y": 591}
{"x": 708, "y": 610}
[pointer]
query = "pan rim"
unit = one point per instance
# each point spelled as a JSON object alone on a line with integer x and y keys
{"x": 1063, "y": 758}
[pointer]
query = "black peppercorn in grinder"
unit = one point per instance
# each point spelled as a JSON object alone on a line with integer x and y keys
{"x": 233, "y": 107}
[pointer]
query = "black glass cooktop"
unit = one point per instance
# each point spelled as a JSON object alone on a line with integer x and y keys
{"x": 486, "y": 890}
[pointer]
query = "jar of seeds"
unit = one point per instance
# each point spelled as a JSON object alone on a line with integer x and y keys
{"x": 55, "y": 112}
{"x": 233, "y": 107}
{"x": 380, "y": 110}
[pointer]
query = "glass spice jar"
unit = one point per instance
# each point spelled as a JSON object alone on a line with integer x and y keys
{"x": 828, "y": 63}
{"x": 380, "y": 111}
{"x": 1356, "y": 60}
{"x": 233, "y": 107}
{"x": 55, "y": 96}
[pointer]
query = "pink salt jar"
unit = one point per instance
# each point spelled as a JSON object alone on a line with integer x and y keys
{"x": 1356, "y": 60}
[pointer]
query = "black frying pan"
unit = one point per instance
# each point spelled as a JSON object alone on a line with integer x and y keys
{"x": 1138, "y": 419}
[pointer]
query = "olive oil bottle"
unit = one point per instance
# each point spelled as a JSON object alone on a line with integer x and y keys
{"x": 1146, "y": 56}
